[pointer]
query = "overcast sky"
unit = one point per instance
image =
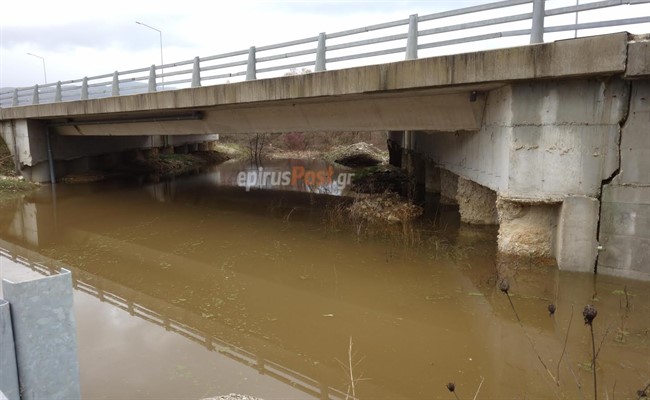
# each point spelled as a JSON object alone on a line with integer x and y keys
{"x": 84, "y": 38}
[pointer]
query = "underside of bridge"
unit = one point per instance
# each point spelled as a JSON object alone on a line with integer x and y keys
{"x": 550, "y": 142}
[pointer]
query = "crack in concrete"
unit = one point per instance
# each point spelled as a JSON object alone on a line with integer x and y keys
{"x": 621, "y": 125}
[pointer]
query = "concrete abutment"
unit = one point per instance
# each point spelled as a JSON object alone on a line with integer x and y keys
{"x": 537, "y": 167}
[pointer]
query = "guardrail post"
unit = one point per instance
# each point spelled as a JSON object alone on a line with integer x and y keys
{"x": 84, "y": 88}
{"x": 320, "y": 53}
{"x": 412, "y": 38}
{"x": 152, "y": 78}
{"x": 14, "y": 101}
{"x": 250, "y": 68}
{"x": 196, "y": 73}
{"x": 537, "y": 32}
{"x": 57, "y": 95}
{"x": 35, "y": 95}
{"x": 115, "y": 88}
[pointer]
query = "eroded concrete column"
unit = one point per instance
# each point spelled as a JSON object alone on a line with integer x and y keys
{"x": 414, "y": 166}
{"x": 526, "y": 229}
{"x": 448, "y": 187}
{"x": 476, "y": 203}
{"x": 394, "y": 144}
{"x": 431, "y": 177}
{"x": 45, "y": 336}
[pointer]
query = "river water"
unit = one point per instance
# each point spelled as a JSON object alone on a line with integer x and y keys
{"x": 196, "y": 287}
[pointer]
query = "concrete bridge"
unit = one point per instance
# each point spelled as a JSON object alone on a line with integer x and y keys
{"x": 550, "y": 140}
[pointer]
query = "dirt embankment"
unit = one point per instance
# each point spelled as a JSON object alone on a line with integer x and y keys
{"x": 10, "y": 182}
{"x": 357, "y": 155}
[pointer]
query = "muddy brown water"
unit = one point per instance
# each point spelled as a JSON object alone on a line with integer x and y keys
{"x": 194, "y": 287}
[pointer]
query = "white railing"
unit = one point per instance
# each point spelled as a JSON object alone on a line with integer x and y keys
{"x": 410, "y": 37}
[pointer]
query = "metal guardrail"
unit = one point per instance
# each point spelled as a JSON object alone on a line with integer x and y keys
{"x": 81, "y": 281}
{"x": 322, "y": 51}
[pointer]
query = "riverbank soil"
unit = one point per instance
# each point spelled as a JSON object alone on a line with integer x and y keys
{"x": 10, "y": 181}
{"x": 345, "y": 148}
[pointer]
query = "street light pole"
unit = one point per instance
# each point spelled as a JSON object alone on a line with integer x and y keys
{"x": 161, "y": 49}
{"x": 42, "y": 59}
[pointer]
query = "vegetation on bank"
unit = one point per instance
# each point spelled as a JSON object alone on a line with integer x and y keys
{"x": 331, "y": 146}
{"x": 10, "y": 182}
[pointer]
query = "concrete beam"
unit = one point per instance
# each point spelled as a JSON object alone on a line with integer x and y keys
{"x": 592, "y": 56}
{"x": 441, "y": 110}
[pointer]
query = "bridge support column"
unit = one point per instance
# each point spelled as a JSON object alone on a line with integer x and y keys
{"x": 394, "y": 143}
{"x": 431, "y": 177}
{"x": 414, "y": 165}
{"x": 448, "y": 187}
{"x": 27, "y": 140}
{"x": 576, "y": 245}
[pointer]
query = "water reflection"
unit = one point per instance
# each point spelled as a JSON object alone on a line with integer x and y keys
{"x": 164, "y": 315}
{"x": 259, "y": 275}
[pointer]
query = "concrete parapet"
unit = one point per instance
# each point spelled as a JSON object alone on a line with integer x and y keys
{"x": 476, "y": 203}
{"x": 45, "y": 336}
{"x": 8, "y": 370}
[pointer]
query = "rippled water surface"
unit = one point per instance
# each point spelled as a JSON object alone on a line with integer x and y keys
{"x": 195, "y": 287}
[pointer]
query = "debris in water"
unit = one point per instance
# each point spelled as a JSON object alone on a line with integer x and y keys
{"x": 551, "y": 309}
{"x": 504, "y": 285}
{"x": 589, "y": 313}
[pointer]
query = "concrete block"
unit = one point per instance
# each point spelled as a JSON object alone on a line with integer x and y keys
{"x": 551, "y": 161}
{"x": 638, "y": 59}
{"x": 45, "y": 336}
{"x": 8, "y": 368}
{"x": 576, "y": 241}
